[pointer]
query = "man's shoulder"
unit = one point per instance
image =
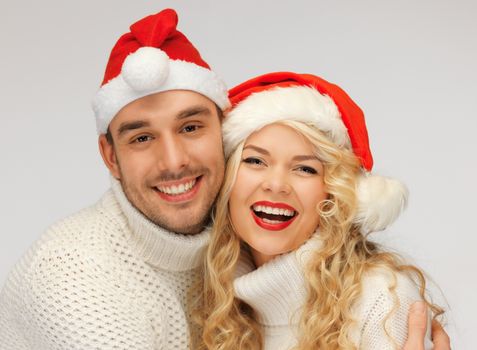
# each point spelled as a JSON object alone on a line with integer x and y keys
{"x": 73, "y": 247}
{"x": 83, "y": 235}
{"x": 73, "y": 282}
{"x": 87, "y": 225}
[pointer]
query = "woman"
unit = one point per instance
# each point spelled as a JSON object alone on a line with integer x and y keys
{"x": 289, "y": 264}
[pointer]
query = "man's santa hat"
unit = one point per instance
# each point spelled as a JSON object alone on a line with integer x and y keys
{"x": 307, "y": 98}
{"x": 153, "y": 57}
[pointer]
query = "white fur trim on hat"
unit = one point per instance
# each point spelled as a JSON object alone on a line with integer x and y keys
{"x": 298, "y": 103}
{"x": 141, "y": 76}
{"x": 380, "y": 201}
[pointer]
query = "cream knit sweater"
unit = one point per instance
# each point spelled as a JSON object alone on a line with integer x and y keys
{"x": 104, "y": 278}
{"x": 276, "y": 290}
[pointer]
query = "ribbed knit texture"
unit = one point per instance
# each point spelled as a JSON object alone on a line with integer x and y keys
{"x": 276, "y": 290}
{"x": 104, "y": 278}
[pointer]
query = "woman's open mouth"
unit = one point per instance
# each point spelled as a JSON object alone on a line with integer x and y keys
{"x": 273, "y": 216}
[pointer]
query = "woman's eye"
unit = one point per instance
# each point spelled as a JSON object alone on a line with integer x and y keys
{"x": 308, "y": 170}
{"x": 252, "y": 160}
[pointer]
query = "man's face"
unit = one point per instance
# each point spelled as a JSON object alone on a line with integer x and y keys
{"x": 167, "y": 153}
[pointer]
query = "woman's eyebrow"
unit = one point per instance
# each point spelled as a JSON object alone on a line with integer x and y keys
{"x": 258, "y": 149}
{"x": 295, "y": 158}
{"x": 305, "y": 157}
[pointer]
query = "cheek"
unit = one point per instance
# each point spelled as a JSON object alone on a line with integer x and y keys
{"x": 311, "y": 195}
{"x": 239, "y": 201}
{"x": 247, "y": 182}
{"x": 135, "y": 164}
{"x": 207, "y": 152}
{"x": 237, "y": 196}
{"x": 237, "y": 212}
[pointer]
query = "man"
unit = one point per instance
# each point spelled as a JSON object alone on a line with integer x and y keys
{"x": 120, "y": 274}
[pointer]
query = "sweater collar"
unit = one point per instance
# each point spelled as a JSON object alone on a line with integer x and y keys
{"x": 157, "y": 246}
{"x": 276, "y": 290}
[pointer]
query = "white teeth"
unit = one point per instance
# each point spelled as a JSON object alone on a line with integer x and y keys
{"x": 274, "y": 211}
{"x": 273, "y": 222}
{"x": 175, "y": 190}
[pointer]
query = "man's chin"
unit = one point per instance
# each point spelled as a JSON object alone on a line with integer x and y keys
{"x": 184, "y": 224}
{"x": 188, "y": 218}
{"x": 189, "y": 229}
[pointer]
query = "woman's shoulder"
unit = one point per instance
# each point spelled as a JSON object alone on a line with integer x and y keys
{"x": 384, "y": 290}
{"x": 388, "y": 282}
{"x": 381, "y": 311}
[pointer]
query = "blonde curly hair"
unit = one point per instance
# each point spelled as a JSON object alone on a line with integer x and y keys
{"x": 333, "y": 273}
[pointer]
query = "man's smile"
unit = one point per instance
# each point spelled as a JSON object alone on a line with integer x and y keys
{"x": 179, "y": 191}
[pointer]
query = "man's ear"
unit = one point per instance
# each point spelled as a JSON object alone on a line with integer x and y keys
{"x": 109, "y": 156}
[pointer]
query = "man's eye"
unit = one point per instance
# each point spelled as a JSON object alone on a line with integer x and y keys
{"x": 253, "y": 161}
{"x": 142, "y": 138}
{"x": 190, "y": 128}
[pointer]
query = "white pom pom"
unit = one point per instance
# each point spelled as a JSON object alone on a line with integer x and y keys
{"x": 146, "y": 69}
{"x": 380, "y": 201}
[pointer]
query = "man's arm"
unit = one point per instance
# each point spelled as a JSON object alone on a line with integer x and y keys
{"x": 417, "y": 330}
{"x": 67, "y": 297}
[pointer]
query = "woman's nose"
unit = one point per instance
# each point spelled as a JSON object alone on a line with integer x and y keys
{"x": 277, "y": 182}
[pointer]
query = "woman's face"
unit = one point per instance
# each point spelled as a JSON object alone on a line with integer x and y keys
{"x": 273, "y": 203}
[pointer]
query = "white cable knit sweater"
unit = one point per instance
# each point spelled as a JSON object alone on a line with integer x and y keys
{"x": 276, "y": 290}
{"x": 104, "y": 278}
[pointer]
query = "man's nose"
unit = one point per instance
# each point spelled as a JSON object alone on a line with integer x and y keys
{"x": 172, "y": 155}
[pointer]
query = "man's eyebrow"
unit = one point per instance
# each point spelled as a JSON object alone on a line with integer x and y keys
{"x": 127, "y": 126}
{"x": 189, "y": 112}
{"x": 193, "y": 111}
{"x": 258, "y": 149}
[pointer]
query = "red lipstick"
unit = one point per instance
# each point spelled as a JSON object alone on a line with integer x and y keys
{"x": 275, "y": 226}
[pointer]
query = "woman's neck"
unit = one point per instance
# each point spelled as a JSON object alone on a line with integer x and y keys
{"x": 260, "y": 258}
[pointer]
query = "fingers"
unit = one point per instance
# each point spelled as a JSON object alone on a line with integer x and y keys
{"x": 417, "y": 327}
{"x": 439, "y": 337}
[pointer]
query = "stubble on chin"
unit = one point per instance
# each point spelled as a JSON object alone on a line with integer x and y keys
{"x": 182, "y": 222}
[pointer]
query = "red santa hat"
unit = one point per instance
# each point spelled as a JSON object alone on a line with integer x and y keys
{"x": 307, "y": 98}
{"x": 153, "y": 57}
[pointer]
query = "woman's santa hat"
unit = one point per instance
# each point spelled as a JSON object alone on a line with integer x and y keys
{"x": 307, "y": 98}
{"x": 153, "y": 57}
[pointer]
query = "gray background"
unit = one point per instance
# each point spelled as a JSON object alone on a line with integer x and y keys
{"x": 411, "y": 65}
